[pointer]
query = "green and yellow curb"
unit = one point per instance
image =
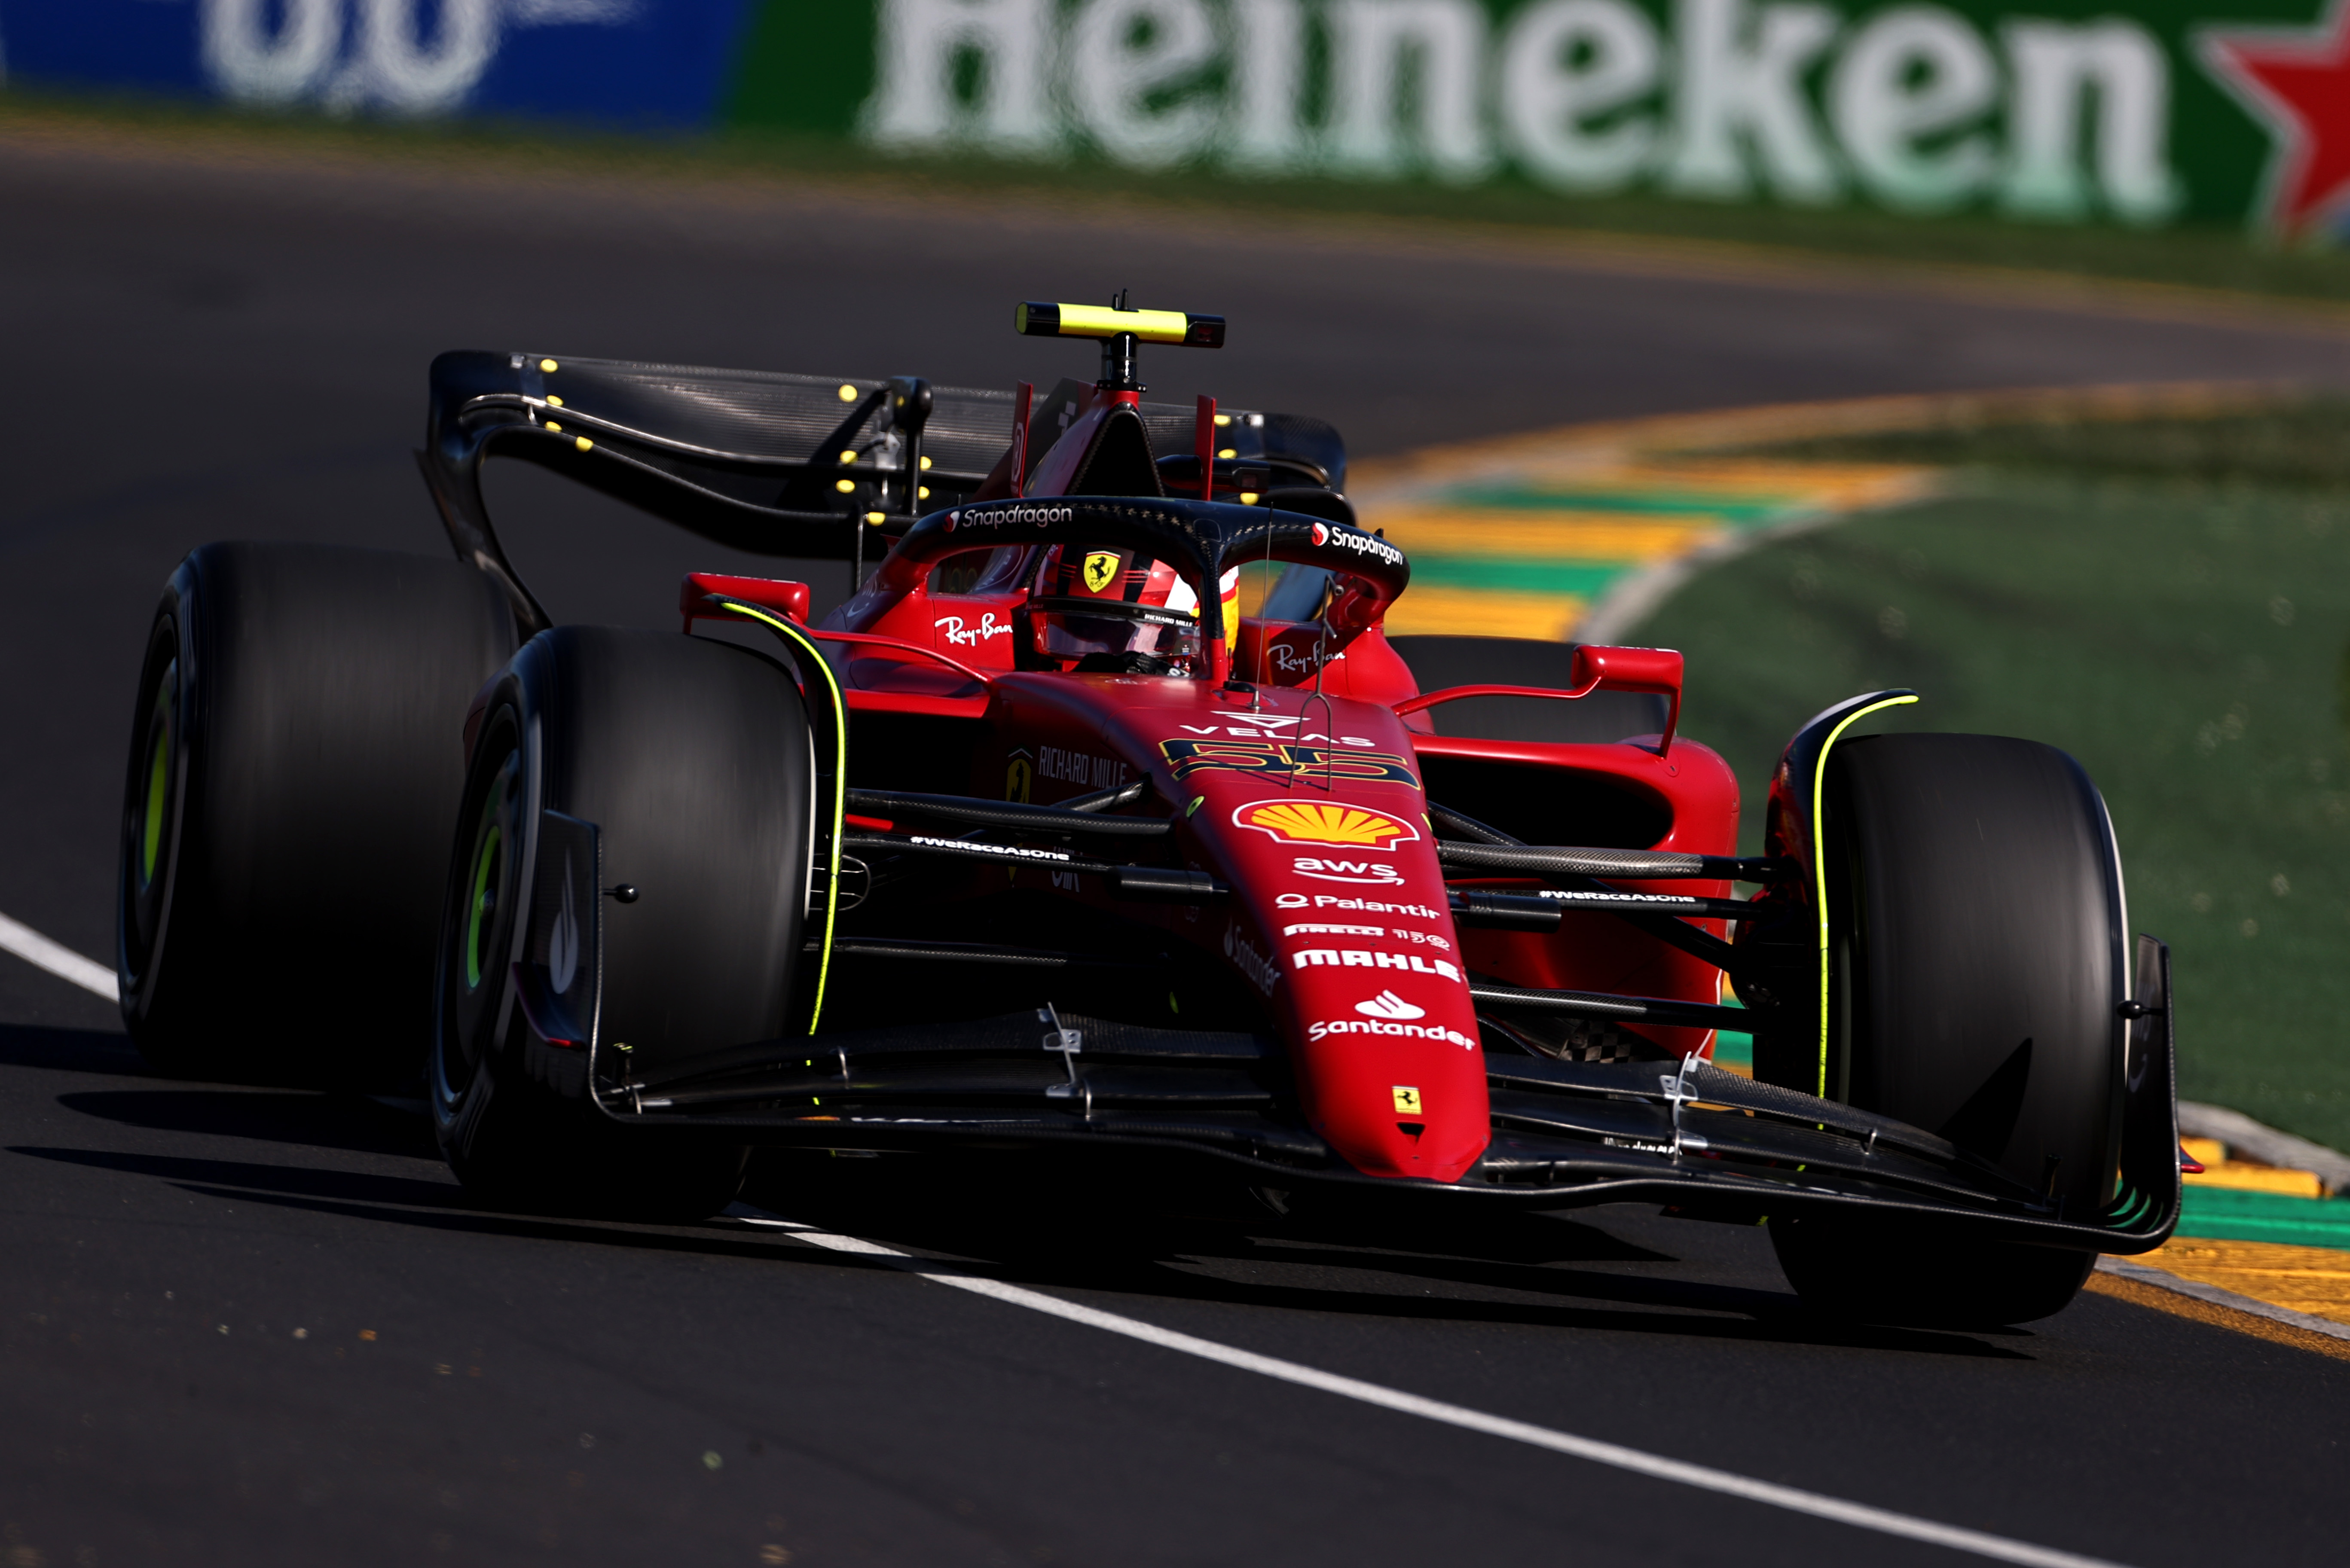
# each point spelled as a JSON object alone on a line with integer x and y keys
{"x": 1582, "y": 531}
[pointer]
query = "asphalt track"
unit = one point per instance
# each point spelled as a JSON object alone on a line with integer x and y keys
{"x": 257, "y": 1326}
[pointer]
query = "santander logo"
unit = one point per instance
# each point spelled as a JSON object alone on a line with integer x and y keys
{"x": 1388, "y": 1005}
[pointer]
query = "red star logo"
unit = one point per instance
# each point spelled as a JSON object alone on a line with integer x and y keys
{"x": 2298, "y": 83}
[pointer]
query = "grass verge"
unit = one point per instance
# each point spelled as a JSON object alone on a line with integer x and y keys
{"x": 2168, "y": 600}
{"x": 2204, "y": 258}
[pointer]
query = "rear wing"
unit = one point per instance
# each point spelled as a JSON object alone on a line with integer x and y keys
{"x": 812, "y": 467}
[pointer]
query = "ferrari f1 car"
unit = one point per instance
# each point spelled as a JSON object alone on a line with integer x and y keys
{"x": 1056, "y": 835}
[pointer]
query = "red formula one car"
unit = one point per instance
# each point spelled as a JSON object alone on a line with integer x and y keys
{"x": 1104, "y": 818}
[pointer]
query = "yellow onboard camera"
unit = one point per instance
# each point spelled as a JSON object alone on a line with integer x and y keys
{"x": 1035, "y": 319}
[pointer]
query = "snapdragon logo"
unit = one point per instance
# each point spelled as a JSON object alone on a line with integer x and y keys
{"x": 1359, "y": 542}
{"x": 1917, "y": 107}
{"x": 400, "y": 55}
{"x": 1007, "y": 516}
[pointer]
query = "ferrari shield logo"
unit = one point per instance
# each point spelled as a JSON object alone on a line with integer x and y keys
{"x": 1019, "y": 773}
{"x": 1407, "y": 1101}
{"x": 1101, "y": 569}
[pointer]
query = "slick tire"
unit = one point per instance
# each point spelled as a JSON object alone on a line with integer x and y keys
{"x": 296, "y": 751}
{"x": 1979, "y": 960}
{"x": 693, "y": 760}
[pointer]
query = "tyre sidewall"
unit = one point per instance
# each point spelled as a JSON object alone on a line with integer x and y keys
{"x": 1981, "y": 909}
{"x": 611, "y": 726}
{"x": 152, "y": 1011}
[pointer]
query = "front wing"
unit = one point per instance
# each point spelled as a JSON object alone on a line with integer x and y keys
{"x": 1693, "y": 1137}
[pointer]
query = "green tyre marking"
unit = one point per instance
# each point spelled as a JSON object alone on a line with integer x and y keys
{"x": 483, "y": 858}
{"x": 159, "y": 775}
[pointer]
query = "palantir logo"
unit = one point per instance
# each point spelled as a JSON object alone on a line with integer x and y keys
{"x": 358, "y": 54}
{"x": 1388, "y": 1005}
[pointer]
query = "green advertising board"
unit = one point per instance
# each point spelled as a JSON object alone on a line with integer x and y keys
{"x": 2208, "y": 111}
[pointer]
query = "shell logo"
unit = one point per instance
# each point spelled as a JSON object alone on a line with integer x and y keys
{"x": 1324, "y": 822}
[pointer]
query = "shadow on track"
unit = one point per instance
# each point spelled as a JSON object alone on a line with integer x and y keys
{"x": 269, "y": 1115}
{"x": 109, "y": 1052}
{"x": 288, "y": 1180}
{"x": 1137, "y": 1231}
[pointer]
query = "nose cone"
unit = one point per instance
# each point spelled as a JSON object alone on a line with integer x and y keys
{"x": 1310, "y": 808}
{"x": 1397, "y": 1086}
{"x": 1346, "y": 888}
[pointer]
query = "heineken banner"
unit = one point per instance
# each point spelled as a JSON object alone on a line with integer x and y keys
{"x": 2167, "y": 111}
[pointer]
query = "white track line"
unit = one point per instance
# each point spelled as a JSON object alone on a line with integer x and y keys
{"x": 1860, "y": 1516}
{"x": 62, "y": 961}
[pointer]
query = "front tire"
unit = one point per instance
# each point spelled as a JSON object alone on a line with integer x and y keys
{"x": 1979, "y": 962}
{"x": 691, "y": 758}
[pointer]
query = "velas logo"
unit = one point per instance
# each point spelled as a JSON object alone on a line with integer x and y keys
{"x": 1324, "y": 822}
{"x": 2296, "y": 82}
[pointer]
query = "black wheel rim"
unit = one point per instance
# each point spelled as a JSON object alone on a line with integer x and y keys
{"x": 150, "y": 802}
{"x": 477, "y": 922}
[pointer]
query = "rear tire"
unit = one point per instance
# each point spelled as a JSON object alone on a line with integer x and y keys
{"x": 693, "y": 759}
{"x": 1980, "y": 957}
{"x": 296, "y": 751}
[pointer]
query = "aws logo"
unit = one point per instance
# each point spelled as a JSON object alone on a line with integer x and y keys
{"x": 1324, "y": 822}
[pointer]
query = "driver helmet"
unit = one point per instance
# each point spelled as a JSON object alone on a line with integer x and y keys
{"x": 1112, "y": 609}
